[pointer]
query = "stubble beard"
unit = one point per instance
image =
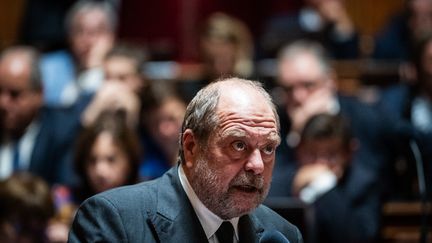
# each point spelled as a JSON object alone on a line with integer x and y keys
{"x": 209, "y": 187}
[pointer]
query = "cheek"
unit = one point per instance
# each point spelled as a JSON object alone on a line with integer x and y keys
{"x": 268, "y": 171}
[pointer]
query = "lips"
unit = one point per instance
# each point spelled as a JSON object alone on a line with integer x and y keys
{"x": 247, "y": 188}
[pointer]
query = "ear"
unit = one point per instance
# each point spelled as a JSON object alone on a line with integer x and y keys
{"x": 190, "y": 148}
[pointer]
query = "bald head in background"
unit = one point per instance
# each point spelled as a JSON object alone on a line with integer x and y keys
{"x": 21, "y": 94}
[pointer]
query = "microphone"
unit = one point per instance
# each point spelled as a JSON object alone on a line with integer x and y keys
{"x": 273, "y": 236}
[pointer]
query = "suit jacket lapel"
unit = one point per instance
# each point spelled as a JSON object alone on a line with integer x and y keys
{"x": 175, "y": 219}
{"x": 250, "y": 229}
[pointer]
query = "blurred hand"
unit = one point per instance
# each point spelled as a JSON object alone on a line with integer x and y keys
{"x": 318, "y": 102}
{"x": 113, "y": 96}
{"x": 334, "y": 11}
{"x": 98, "y": 51}
{"x": 306, "y": 174}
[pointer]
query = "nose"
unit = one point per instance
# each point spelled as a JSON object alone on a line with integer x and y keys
{"x": 299, "y": 95}
{"x": 101, "y": 168}
{"x": 255, "y": 163}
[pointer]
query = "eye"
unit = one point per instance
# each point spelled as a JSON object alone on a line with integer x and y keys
{"x": 239, "y": 146}
{"x": 269, "y": 149}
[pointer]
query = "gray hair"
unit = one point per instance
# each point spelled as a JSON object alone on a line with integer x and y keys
{"x": 312, "y": 48}
{"x": 31, "y": 57}
{"x": 87, "y": 5}
{"x": 201, "y": 116}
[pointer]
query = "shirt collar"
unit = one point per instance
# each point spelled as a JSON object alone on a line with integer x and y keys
{"x": 209, "y": 221}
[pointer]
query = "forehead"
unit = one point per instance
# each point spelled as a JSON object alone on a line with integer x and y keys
{"x": 244, "y": 107}
{"x": 14, "y": 71}
{"x": 301, "y": 67}
{"x": 118, "y": 63}
{"x": 90, "y": 18}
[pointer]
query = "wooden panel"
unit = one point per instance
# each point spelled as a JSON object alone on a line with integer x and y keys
{"x": 370, "y": 15}
{"x": 10, "y": 20}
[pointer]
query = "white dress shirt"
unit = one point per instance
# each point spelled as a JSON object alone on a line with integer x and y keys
{"x": 25, "y": 148}
{"x": 209, "y": 221}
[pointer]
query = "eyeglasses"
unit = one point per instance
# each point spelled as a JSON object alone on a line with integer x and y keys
{"x": 304, "y": 85}
{"x": 13, "y": 93}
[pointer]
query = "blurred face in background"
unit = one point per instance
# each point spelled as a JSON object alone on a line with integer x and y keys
{"x": 331, "y": 152}
{"x": 90, "y": 31}
{"x": 301, "y": 77}
{"x": 19, "y": 103}
{"x": 108, "y": 165}
{"x": 420, "y": 21}
{"x": 124, "y": 70}
{"x": 220, "y": 55}
{"x": 165, "y": 124}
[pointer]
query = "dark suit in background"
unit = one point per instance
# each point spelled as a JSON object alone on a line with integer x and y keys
{"x": 371, "y": 130}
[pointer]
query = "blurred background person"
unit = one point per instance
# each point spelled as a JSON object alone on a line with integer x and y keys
{"x": 397, "y": 38}
{"x": 124, "y": 87}
{"x": 325, "y": 21}
{"x": 107, "y": 155}
{"x": 226, "y": 49}
{"x": 410, "y": 106}
{"x": 308, "y": 86}
{"x": 34, "y": 137}
{"x": 25, "y": 209}
{"x": 344, "y": 193}
{"x": 161, "y": 122}
{"x": 91, "y": 27}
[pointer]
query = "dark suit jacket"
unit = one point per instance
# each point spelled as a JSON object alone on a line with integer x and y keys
{"x": 283, "y": 29}
{"x": 160, "y": 211}
{"x": 369, "y": 126}
{"x": 53, "y": 149}
{"x": 397, "y": 102}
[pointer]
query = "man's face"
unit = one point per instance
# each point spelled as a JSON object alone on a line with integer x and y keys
{"x": 125, "y": 70}
{"x": 232, "y": 173}
{"x": 332, "y": 152}
{"x": 89, "y": 29}
{"x": 165, "y": 123}
{"x": 301, "y": 77}
{"x": 19, "y": 104}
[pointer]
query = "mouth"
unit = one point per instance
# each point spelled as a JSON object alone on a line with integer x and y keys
{"x": 247, "y": 188}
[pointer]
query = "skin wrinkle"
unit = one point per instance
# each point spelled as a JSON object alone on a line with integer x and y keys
{"x": 231, "y": 174}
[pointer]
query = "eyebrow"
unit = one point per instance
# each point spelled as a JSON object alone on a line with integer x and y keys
{"x": 272, "y": 136}
{"x": 234, "y": 133}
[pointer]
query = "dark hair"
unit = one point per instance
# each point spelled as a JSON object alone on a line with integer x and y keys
{"x": 26, "y": 204}
{"x": 201, "y": 115}
{"x": 322, "y": 126}
{"x": 131, "y": 51}
{"x": 160, "y": 92}
{"x": 115, "y": 124}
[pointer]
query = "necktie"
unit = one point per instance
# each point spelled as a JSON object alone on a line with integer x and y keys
{"x": 225, "y": 233}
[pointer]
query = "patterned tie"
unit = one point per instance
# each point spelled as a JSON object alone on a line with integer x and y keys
{"x": 225, "y": 233}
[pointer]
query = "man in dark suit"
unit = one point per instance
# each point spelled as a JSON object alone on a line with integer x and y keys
{"x": 228, "y": 141}
{"x": 33, "y": 137}
{"x": 309, "y": 88}
{"x": 343, "y": 192}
